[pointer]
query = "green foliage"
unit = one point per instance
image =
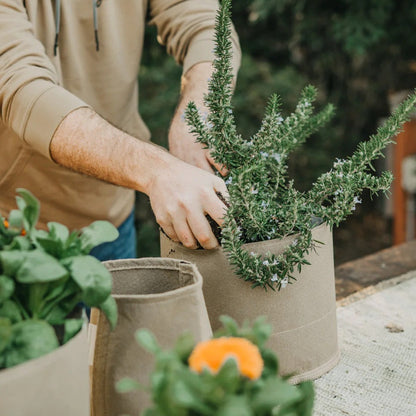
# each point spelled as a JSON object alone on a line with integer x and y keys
{"x": 355, "y": 52}
{"x": 43, "y": 276}
{"x": 26, "y": 340}
{"x": 264, "y": 203}
{"x": 179, "y": 391}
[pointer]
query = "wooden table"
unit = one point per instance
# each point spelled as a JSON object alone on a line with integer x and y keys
{"x": 367, "y": 271}
{"x": 376, "y": 312}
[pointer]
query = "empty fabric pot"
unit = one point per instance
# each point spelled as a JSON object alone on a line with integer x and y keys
{"x": 303, "y": 314}
{"x": 51, "y": 385}
{"x": 162, "y": 295}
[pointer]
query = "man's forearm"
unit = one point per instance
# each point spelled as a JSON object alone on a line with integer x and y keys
{"x": 180, "y": 194}
{"x": 86, "y": 143}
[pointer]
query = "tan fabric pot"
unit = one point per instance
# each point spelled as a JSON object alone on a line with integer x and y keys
{"x": 54, "y": 384}
{"x": 162, "y": 295}
{"x": 303, "y": 314}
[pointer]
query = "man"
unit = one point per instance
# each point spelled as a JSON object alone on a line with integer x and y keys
{"x": 59, "y": 84}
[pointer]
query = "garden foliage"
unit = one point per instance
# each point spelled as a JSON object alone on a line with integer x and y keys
{"x": 178, "y": 390}
{"x": 44, "y": 275}
{"x": 264, "y": 204}
{"x": 355, "y": 52}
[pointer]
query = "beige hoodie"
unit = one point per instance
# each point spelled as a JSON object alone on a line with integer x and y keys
{"x": 38, "y": 89}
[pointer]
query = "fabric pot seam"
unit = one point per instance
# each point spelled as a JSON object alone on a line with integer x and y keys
{"x": 305, "y": 325}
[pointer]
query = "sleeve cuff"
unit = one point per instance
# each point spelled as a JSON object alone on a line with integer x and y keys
{"x": 201, "y": 49}
{"x": 43, "y": 106}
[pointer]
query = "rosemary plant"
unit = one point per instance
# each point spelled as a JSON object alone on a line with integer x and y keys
{"x": 263, "y": 202}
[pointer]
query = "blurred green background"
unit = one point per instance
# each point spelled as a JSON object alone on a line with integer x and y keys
{"x": 356, "y": 52}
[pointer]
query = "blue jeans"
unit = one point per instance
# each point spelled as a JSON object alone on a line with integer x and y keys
{"x": 122, "y": 248}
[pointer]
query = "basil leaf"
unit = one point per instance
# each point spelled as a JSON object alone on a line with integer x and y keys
{"x": 30, "y": 206}
{"x": 109, "y": 308}
{"x": 5, "y": 335}
{"x": 11, "y": 261}
{"x": 39, "y": 267}
{"x": 71, "y": 328}
{"x": 59, "y": 231}
{"x": 6, "y": 288}
{"x": 11, "y": 311}
{"x": 97, "y": 233}
{"x": 30, "y": 339}
{"x": 92, "y": 277}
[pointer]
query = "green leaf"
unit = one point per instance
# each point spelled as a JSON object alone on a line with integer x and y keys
{"x": 11, "y": 261}
{"x": 15, "y": 220}
{"x": 275, "y": 392}
{"x": 230, "y": 326}
{"x": 97, "y": 233}
{"x": 30, "y": 206}
{"x": 11, "y": 311}
{"x": 229, "y": 376}
{"x": 152, "y": 412}
{"x": 305, "y": 407}
{"x": 184, "y": 395}
{"x": 126, "y": 385}
{"x": 235, "y": 406}
{"x": 184, "y": 346}
{"x": 21, "y": 243}
{"x": 60, "y": 300}
{"x": 147, "y": 340}
{"x": 71, "y": 328}
{"x": 109, "y": 308}
{"x": 92, "y": 277}
{"x": 6, "y": 288}
{"x": 5, "y": 335}
{"x": 3, "y": 229}
{"x": 51, "y": 246}
{"x": 271, "y": 363}
{"x": 30, "y": 339}
{"x": 40, "y": 267}
{"x": 261, "y": 330}
{"x": 59, "y": 231}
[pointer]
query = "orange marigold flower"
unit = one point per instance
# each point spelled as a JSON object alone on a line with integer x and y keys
{"x": 214, "y": 353}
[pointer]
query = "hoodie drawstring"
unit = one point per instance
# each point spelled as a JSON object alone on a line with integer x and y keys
{"x": 95, "y": 5}
{"x": 57, "y": 24}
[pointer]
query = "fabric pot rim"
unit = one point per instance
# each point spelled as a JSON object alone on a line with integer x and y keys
{"x": 246, "y": 246}
{"x": 155, "y": 263}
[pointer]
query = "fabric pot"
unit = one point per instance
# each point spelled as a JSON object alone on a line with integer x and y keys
{"x": 162, "y": 295}
{"x": 303, "y": 315}
{"x": 54, "y": 384}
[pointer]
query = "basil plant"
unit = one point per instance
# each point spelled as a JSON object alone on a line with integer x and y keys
{"x": 44, "y": 275}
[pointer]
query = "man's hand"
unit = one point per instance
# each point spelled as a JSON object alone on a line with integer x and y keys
{"x": 182, "y": 143}
{"x": 181, "y": 195}
{"x": 181, "y": 202}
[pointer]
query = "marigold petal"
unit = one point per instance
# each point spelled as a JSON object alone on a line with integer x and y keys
{"x": 214, "y": 353}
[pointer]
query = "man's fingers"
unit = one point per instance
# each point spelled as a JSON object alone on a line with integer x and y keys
{"x": 221, "y": 188}
{"x": 184, "y": 233}
{"x": 215, "y": 208}
{"x": 202, "y": 231}
{"x": 205, "y": 165}
{"x": 170, "y": 232}
{"x": 220, "y": 168}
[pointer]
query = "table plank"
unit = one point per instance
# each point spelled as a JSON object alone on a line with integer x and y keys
{"x": 355, "y": 275}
